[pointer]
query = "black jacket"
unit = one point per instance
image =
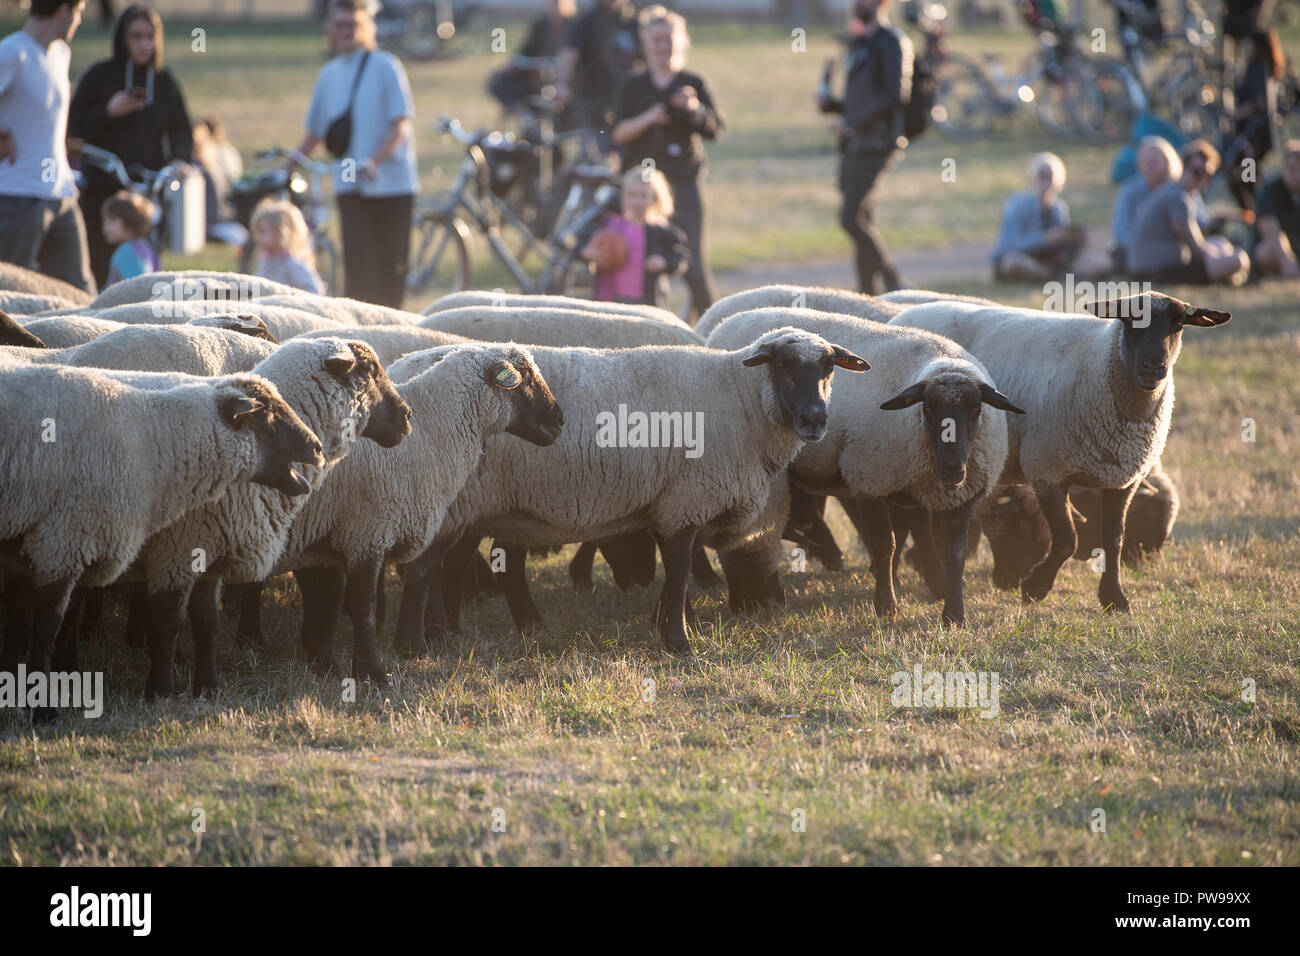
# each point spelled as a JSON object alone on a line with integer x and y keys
{"x": 150, "y": 137}
{"x": 675, "y": 147}
{"x": 877, "y": 87}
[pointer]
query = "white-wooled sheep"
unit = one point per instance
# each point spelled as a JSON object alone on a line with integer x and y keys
{"x": 391, "y": 342}
{"x": 345, "y": 312}
{"x": 1098, "y": 391}
{"x": 17, "y": 279}
{"x": 479, "y": 298}
{"x": 189, "y": 286}
{"x": 558, "y": 328}
{"x": 158, "y": 348}
{"x": 30, "y": 303}
{"x": 839, "y": 301}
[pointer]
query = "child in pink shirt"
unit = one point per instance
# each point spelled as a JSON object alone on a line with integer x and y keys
{"x": 655, "y": 249}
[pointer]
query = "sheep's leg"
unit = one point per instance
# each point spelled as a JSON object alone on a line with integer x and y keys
{"x": 1054, "y": 502}
{"x": 327, "y": 596}
{"x": 381, "y": 602}
{"x": 92, "y": 613}
{"x": 446, "y": 592}
{"x": 581, "y": 565}
{"x": 66, "y": 652}
{"x": 853, "y": 508}
{"x": 164, "y": 611}
{"x": 49, "y": 604}
{"x": 306, "y": 579}
{"x": 880, "y": 541}
{"x": 205, "y": 617}
{"x": 18, "y": 620}
{"x": 412, "y": 612}
{"x": 929, "y": 562}
{"x": 957, "y": 527}
{"x": 137, "y": 615}
{"x": 670, "y": 611}
{"x": 515, "y": 584}
{"x": 702, "y": 570}
{"x": 249, "y": 629}
{"x": 363, "y": 580}
{"x": 1114, "y": 512}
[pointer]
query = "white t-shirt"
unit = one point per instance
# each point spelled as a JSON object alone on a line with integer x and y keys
{"x": 383, "y": 95}
{"x": 34, "y": 93}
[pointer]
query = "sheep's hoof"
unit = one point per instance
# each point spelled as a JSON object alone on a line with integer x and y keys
{"x": 1033, "y": 588}
{"x": 207, "y": 687}
{"x": 887, "y": 612}
{"x": 1113, "y": 601}
{"x": 157, "y": 688}
{"x": 325, "y": 666}
{"x": 954, "y": 619}
{"x": 582, "y": 583}
{"x": 373, "y": 671}
{"x": 681, "y": 648}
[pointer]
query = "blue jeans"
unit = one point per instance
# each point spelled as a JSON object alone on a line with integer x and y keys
{"x": 46, "y": 236}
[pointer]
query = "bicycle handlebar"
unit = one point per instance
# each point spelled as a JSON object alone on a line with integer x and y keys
{"x": 301, "y": 159}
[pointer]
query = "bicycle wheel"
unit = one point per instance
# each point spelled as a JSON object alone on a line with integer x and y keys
{"x": 965, "y": 102}
{"x": 1058, "y": 95}
{"x": 571, "y": 276}
{"x": 1107, "y": 113}
{"x": 1195, "y": 103}
{"x": 440, "y": 264}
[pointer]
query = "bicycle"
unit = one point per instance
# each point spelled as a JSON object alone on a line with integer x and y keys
{"x": 152, "y": 184}
{"x": 441, "y": 261}
{"x": 307, "y": 194}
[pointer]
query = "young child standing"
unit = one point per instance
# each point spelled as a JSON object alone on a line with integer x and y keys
{"x": 127, "y": 219}
{"x": 284, "y": 246}
{"x": 654, "y": 248}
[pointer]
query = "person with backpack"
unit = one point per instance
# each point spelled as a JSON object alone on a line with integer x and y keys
{"x": 870, "y": 118}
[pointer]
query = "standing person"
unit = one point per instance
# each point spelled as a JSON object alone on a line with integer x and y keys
{"x": 1168, "y": 244}
{"x": 599, "y": 47}
{"x": 662, "y": 114}
{"x": 376, "y": 191}
{"x": 870, "y": 120}
{"x": 512, "y": 83}
{"x": 40, "y": 224}
{"x": 1036, "y": 240}
{"x": 131, "y": 105}
{"x": 1256, "y": 99}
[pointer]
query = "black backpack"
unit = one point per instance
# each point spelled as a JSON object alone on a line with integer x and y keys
{"x": 916, "y": 113}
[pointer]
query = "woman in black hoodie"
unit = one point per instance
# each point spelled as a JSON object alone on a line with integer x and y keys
{"x": 132, "y": 106}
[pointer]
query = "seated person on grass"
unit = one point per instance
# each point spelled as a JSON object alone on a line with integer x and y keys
{"x": 1278, "y": 218}
{"x": 1036, "y": 241}
{"x": 1157, "y": 164}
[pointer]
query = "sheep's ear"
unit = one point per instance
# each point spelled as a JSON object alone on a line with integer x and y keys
{"x": 761, "y": 355}
{"x": 1123, "y": 308}
{"x": 237, "y": 408}
{"x": 995, "y": 398}
{"x": 1204, "y": 318}
{"x": 503, "y": 375}
{"x": 906, "y": 398}
{"x": 256, "y": 327}
{"x": 341, "y": 364}
{"x": 843, "y": 358}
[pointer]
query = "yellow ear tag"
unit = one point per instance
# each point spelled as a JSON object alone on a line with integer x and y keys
{"x": 508, "y": 377}
{"x": 1190, "y": 310}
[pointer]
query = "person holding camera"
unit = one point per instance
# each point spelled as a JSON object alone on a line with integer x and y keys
{"x": 870, "y": 122}
{"x": 662, "y": 115}
{"x": 131, "y": 105}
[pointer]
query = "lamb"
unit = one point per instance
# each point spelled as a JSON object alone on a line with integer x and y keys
{"x": 93, "y": 467}
{"x": 558, "y": 328}
{"x": 17, "y": 279}
{"x": 188, "y": 286}
{"x": 194, "y": 350}
{"x": 924, "y": 296}
{"x": 463, "y": 300}
{"x": 391, "y": 342}
{"x": 345, "y": 312}
{"x": 1100, "y": 395}
{"x": 601, "y": 479}
{"x": 944, "y": 456}
{"x": 11, "y": 333}
{"x": 30, "y": 303}
{"x": 817, "y": 299}
{"x": 341, "y": 391}
{"x": 468, "y": 395}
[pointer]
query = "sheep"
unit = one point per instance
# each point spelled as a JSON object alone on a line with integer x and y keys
{"x": 391, "y": 342}
{"x": 65, "y": 331}
{"x": 340, "y": 390}
{"x": 92, "y": 467}
{"x": 944, "y": 456}
{"x": 188, "y": 286}
{"x": 1099, "y": 391}
{"x": 17, "y": 279}
{"x": 910, "y": 297}
{"x": 13, "y": 334}
{"x": 469, "y": 394}
{"x": 764, "y": 402}
{"x": 30, "y": 303}
{"x": 478, "y": 299}
{"x": 558, "y": 328}
{"x": 345, "y": 312}
{"x": 283, "y": 322}
{"x": 817, "y": 299}
{"x": 189, "y": 349}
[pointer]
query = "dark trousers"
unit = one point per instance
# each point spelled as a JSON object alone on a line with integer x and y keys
{"x": 860, "y": 172}
{"x": 376, "y": 244}
{"x": 688, "y": 216}
{"x": 48, "y": 236}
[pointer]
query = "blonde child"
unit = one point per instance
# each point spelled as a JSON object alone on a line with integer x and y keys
{"x": 654, "y": 248}
{"x": 284, "y": 246}
{"x": 127, "y": 219}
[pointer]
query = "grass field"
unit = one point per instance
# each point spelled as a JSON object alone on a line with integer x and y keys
{"x": 585, "y": 745}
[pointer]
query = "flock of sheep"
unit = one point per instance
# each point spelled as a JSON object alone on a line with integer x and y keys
{"x": 188, "y": 432}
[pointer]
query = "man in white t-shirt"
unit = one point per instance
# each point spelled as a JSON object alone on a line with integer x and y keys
{"x": 40, "y": 224}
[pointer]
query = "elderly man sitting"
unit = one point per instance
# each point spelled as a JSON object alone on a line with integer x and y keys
{"x": 1036, "y": 241}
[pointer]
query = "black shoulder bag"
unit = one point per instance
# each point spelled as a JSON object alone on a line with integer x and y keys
{"x": 339, "y": 135}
